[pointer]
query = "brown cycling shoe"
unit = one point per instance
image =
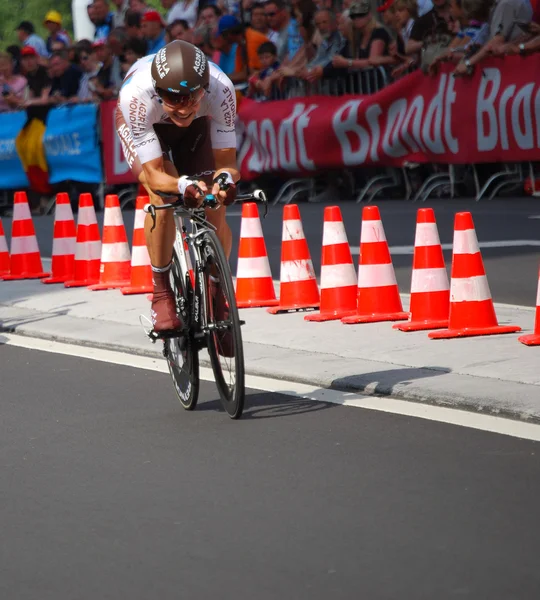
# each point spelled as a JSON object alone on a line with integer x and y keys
{"x": 224, "y": 339}
{"x": 163, "y": 311}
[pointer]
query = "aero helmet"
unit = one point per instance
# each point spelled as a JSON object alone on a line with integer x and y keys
{"x": 180, "y": 73}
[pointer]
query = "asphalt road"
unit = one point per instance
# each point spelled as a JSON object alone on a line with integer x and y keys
{"x": 111, "y": 490}
{"x": 512, "y": 271}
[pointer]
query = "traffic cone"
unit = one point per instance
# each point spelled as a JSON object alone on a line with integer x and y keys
{"x": 338, "y": 279}
{"x": 254, "y": 284}
{"x": 25, "y": 257}
{"x": 141, "y": 271}
{"x": 378, "y": 293}
{"x": 430, "y": 289}
{"x": 4, "y": 252}
{"x": 115, "y": 257}
{"x": 87, "y": 246}
{"x": 471, "y": 307}
{"x": 533, "y": 339}
{"x": 64, "y": 238}
{"x": 298, "y": 285}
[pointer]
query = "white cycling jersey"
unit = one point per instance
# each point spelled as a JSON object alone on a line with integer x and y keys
{"x": 142, "y": 109}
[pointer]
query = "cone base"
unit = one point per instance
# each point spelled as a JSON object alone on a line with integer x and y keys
{"x": 329, "y": 316}
{"x": 55, "y": 279}
{"x": 473, "y": 331}
{"x": 9, "y": 277}
{"x": 421, "y": 325}
{"x": 137, "y": 289}
{"x": 80, "y": 283}
{"x": 112, "y": 285}
{"x": 256, "y": 303}
{"x": 294, "y": 308}
{"x": 533, "y": 339}
{"x": 375, "y": 318}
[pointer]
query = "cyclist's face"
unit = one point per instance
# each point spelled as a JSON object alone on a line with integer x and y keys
{"x": 182, "y": 116}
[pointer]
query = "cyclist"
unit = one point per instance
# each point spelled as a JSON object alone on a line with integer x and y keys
{"x": 176, "y": 121}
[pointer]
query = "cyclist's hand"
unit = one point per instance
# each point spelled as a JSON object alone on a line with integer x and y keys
{"x": 193, "y": 191}
{"x": 224, "y": 188}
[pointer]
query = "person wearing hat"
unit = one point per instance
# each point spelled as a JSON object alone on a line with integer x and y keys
{"x": 39, "y": 82}
{"x": 26, "y": 32}
{"x": 53, "y": 22}
{"x": 153, "y": 30}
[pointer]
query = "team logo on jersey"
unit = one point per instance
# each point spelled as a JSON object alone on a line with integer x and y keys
{"x": 161, "y": 63}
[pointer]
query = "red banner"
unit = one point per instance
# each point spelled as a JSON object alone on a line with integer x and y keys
{"x": 116, "y": 168}
{"x": 493, "y": 116}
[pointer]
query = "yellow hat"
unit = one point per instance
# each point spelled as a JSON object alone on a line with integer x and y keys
{"x": 53, "y": 16}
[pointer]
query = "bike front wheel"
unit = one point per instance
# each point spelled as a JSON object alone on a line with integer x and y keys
{"x": 224, "y": 336}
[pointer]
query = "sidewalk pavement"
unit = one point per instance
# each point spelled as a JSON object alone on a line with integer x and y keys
{"x": 493, "y": 374}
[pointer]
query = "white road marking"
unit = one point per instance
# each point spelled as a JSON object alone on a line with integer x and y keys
{"x": 403, "y": 250}
{"x": 519, "y": 429}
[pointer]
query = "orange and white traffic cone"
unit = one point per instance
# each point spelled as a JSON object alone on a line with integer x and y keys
{"x": 64, "y": 238}
{"x": 141, "y": 271}
{"x": 378, "y": 293}
{"x": 87, "y": 245}
{"x": 254, "y": 284}
{"x": 471, "y": 306}
{"x": 338, "y": 278}
{"x": 298, "y": 285}
{"x": 533, "y": 339}
{"x": 430, "y": 289}
{"x": 25, "y": 257}
{"x": 4, "y": 252}
{"x": 115, "y": 266}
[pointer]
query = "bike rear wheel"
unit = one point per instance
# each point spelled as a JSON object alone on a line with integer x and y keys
{"x": 224, "y": 338}
{"x": 181, "y": 353}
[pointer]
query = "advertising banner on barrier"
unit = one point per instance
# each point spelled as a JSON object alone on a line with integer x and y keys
{"x": 493, "y": 116}
{"x": 72, "y": 144}
{"x": 116, "y": 168}
{"x": 12, "y": 174}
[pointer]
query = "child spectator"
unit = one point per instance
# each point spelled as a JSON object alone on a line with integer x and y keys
{"x": 269, "y": 62}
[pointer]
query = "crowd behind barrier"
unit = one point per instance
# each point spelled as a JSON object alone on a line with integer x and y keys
{"x": 272, "y": 51}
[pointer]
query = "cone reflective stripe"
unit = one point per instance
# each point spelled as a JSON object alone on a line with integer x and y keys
{"x": 338, "y": 278}
{"x": 430, "y": 289}
{"x": 533, "y": 339}
{"x": 378, "y": 293}
{"x": 141, "y": 271}
{"x": 254, "y": 284}
{"x": 25, "y": 260}
{"x": 64, "y": 238}
{"x": 298, "y": 285}
{"x": 87, "y": 246}
{"x": 115, "y": 269}
{"x": 4, "y": 252}
{"x": 471, "y": 307}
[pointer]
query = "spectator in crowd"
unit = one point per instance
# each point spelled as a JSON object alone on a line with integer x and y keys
{"x": 103, "y": 19}
{"x": 297, "y": 65}
{"x": 53, "y": 23}
{"x": 258, "y": 83}
{"x": 119, "y": 14}
{"x": 203, "y": 39}
{"x": 88, "y": 63}
{"x": 65, "y": 78}
{"x": 405, "y": 13}
{"x": 179, "y": 30}
{"x": 504, "y": 28}
{"x": 185, "y": 10}
{"x": 331, "y": 44}
{"x": 139, "y": 6}
{"x": 209, "y": 15}
{"x": 14, "y": 87}
{"x": 278, "y": 20}
{"x": 259, "y": 22}
{"x": 153, "y": 30}
{"x": 92, "y": 14}
{"x": 26, "y": 33}
{"x": 303, "y": 12}
{"x": 225, "y": 46}
{"x": 133, "y": 24}
{"x": 135, "y": 49}
{"x": 109, "y": 78}
{"x": 39, "y": 82}
{"x": 531, "y": 40}
{"x": 432, "y": 33}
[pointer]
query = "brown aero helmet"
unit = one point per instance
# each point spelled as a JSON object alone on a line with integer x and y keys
{"x": 180, "y": 73}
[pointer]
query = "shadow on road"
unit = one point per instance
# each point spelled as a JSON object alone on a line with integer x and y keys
{"x": 389, "y": 381}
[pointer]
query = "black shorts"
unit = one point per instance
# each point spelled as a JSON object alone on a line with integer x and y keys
{"x": 188, "y": 148}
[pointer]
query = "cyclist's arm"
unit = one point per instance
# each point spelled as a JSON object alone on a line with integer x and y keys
{"x": 157, "y": 179}
{"x": 225, "y": 160}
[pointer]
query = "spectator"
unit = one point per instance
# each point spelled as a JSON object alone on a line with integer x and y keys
{"x": 185, "y": 10}
{"x": 92, "y": 14}
{"x": 53, "y": 22}
{"x": 103, "y": 19}
{"x": 28, "y": 37}
{"x": 133, "y": 24}
{"x": 405, "y": 14}
{"x": 108, "y": 79}
{"x": 259, "y": 22}
{"x": 65, "y": 79}
{"x": 278, "y": 20}
{"x": 302, "y": 16}
{"x": 331, "y": 43}
{"x": 179, "y": 30}
{"x": 139, "y": 6}
{"x": 270, "y": 64}
{"x": 135, "y": 49}
{"x": 209, "y": 16}
{"x": 153, "y": 31}
{"x": 297, "y": 65}
{"x": 119, "y": 15}
{"x": 88, "y": 62}
{"x": 39, "y": 82}
{"x": 14, "y": 87}
{"x": 202, "y": 38}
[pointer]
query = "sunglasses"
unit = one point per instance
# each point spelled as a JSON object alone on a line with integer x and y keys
{"x": 178, "y": 101}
